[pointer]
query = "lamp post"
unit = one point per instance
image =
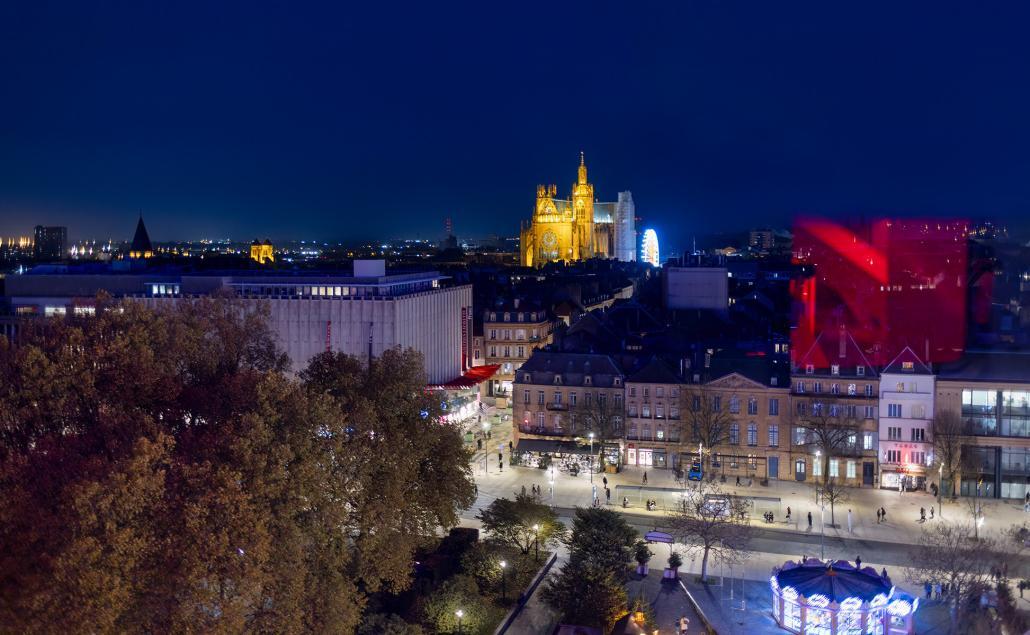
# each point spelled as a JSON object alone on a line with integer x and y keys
{"x": 486, "y": 444}
{"x": 818, "y": 453}
{"x": 822, "y": 531}
{"x": 552, "y": 491}
{"x": 940, "y": 488}
{"x": 536, "y": 542}
{"x": 459, "y": 614}
{"x": 504, "y": 580}
{"x": 591, "y": 461}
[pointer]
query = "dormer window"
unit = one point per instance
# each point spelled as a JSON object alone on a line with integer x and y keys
{"x": 860, "y": 371}
{"x": 809, "y": 369}
{"x": 557, "y": 380}
{"x": 587, "y": 380}
{"x": 507, "y": 317}
{"x": 909, "y": 366}
{"x": 618, "y": 381}
{"x": 526, "y": 377}
{"x": 835, "y": 369}
{"x": 493, "y": 317}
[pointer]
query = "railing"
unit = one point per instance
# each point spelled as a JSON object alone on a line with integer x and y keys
{"x": 544, "y": 431}
{"x": 557, "y": 406}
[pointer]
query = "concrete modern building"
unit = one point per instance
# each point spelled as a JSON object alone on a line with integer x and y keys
{"x": 364, "y": 313}
{"x": 991, "y": 392}
{"x": 695, "y": 288}
{"x": 907, "y": 392}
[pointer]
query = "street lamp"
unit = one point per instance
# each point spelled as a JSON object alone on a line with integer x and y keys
{"x": 536, "y": 542}
{"x": 940, "y": 488}
{"x": 486, "y": 444}
{"x": 591, "y": 461}
{"x": 459, "y": 614}
{"x": 818, "y": 453}
{"x": 504, "y": 579}
{"x": 552, "y": 491}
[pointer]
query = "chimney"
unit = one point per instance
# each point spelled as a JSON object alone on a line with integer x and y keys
{"x": 843, "y": 343}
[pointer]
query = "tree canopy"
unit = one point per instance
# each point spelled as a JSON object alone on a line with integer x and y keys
{"x": 161, "y": 472}
{"x": 512, "y": 522}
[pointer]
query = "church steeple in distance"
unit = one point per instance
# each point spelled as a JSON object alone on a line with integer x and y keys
{"x": 582, "y": 169}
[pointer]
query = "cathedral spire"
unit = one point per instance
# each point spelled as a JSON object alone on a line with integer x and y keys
{"x": 582, "y": 169}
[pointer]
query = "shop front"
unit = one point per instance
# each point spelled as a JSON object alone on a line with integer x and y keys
{"x": 644, "y": 455}
{"x": 901, "y": 478}
{"x": 565, "y": 456}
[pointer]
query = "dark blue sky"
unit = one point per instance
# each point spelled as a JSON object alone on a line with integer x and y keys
{"x": 291, "y": 121}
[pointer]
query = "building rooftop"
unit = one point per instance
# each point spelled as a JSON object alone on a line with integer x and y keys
{"x": 907, "y": 363}
{"x": 655, "y": 371}
{"x": 1010, "y": 366}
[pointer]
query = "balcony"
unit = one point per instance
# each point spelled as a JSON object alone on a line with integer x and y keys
{"x": 636, "y": 436}
{"x": 557, "y": 406}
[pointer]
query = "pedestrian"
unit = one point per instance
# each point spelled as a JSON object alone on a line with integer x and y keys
{"x": 883, "y": 514}
{"x": 922, "y": 514}
{"x": 596, "y": 503}
{"x": 884, "y": 574}
{"x": 849, "y": 521}
{"x": 929, "y": 589}
{"x": 809, "y": 520}
{"x": 858, "y": 562}
{"x": 608, "y": 495}
{"x": 479, "y": 444}
{"x": 937, "y": 590}
{"x": 476, "y": 485}
{"x": 511, "y": 446}
{"x": 684, "y": 625}
{"x": 625, "y": 502}
{"x": 605, "y": 481}
{"x": 523, "y": 491}
{"x": 931, "y": 512}
{"x": 645, "y": 477}
{"x": 738, "y": 480}
{"x": 877, "y": 516}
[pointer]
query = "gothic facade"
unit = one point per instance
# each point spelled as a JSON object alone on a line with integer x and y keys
{"x": 578, "y": 227}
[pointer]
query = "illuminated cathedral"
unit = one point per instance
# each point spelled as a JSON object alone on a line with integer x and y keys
{"x": 578, "y": 227}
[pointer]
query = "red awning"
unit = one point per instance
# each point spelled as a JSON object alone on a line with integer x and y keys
{"x": 473, "y": 376}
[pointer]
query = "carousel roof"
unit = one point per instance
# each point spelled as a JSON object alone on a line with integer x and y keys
{"x": 836, "y": 581}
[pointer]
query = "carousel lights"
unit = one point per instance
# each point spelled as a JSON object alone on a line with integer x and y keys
{"x": 850, "y": 604}
{"x": 774, "y": 584}
{"x": 900, "y": 607}
{"x": 819, "y": 601}
{"x": 789, "y": 593}
{"x": 879, "y": 600}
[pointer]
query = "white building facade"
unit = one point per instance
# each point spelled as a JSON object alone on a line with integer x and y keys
{"x": 907, "y": 393}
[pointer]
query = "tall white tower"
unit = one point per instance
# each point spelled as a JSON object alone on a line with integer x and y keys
{"x": 625, "y": 228}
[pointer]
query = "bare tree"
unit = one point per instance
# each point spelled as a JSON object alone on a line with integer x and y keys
{"x": 602, "y": 414}
{"x": 713, "y": 523}
{"x": 834, "y": 493}
{"x": 831, "y": 427}
{"x": 947, "y": 429}
{"x": 708, "y": 418}
{"x": 945, "y": 554}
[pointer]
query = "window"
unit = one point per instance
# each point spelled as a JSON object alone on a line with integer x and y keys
{"x": 817, "y": 409}
{"x": 774, "y": 407}
{"x": 525, "y": 396}
{"x": 752, "y": 434}
{"x": 507, "y": 317}
{"x": 774, "y": 435}
{"x": 540, "y": 397}
{"x": 522, "y": 351}
{"x": 540, "y": 419}
{"x": 851, "y": 469}
{"x": 674, "y": 412}
{"x": 716, "y": 404}
{"x": 860, "y": 371}
{"x": 735, "y": 405}
{"x": 918, "y": 434}
{"x": 799, "y": 387}
{"x": 834, "y": 389}
{"x": 659, "y": 391}
{"x": 919, "y": 458}
{"x": 586, "y": 400}
{"x": 918, "y": 411}
{"x": 752, "y": 406}
{"x": 869, "y": 390}
{"x": 734, "y": 434}
{"x": 867, "y": 440}
{"x": 892, "y": 456}
{"x": 834, "y": 468}
{"x": 893, "y": 434}
{"x": 618, "y": 381}
{"x": 557, "y": 398}
{"x": 507, "y": 351}
{"x": 493, "y": 334}
{"x": 632, "y": 391}
{"x": 894, "y": 410}
{"x": 852, "y": 390}
{"x": 696, "y": 403}
{"x": 602, "y": 399}
{"x": 647, "y": 392}
{"x": 834, "y": 410}
{"x": 835, "y": 369}
{"x": 645, "y": 411}
{"x": 809, "y": 369}
{"x": 659, "y": 411}
{"x": 587, "y": 380}
{"x": 817, "y": 467}
{"x": 493, "y": 351}
{"x": 659, "y": 433}
{"x": 572, "y": 399}
{"x": 870, "y": 412}
{"x": 632, "y": 410}
{"x": 799, "y": 436}
{"x": 801, "y": 408}
{"x": 817, "y": 386}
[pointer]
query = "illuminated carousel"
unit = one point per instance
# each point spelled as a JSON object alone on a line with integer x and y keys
{"x": 817, "y": 597}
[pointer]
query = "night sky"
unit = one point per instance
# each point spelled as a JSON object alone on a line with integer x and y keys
{"x": 344, "y": 122}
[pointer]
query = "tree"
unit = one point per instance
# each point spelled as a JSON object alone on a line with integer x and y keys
{"x": 457, "y": 593}
{"x": 713, "y": 523}
{"x": 708, "y": 418}
{"x": 387, "y": 624}
{"x": 483, "y": 564}
{"x": 522, "y": 522}
{"x": 590, "y": 589}
{"x": 835, "y": 493}
{"x": 831, "y": 428}
{"x": 947, "y": 430}
{"x": 945, "y": 554}
{"x": 161, "y": 473}
{"x": 603, "y": 414}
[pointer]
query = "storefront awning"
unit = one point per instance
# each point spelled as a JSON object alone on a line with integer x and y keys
{"x": 472, "y": 377}
{"x": 553, "y": 446}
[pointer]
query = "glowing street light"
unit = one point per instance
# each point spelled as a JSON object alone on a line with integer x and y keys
{"x": 591, "y": 461}
{"x": 459, "y": 613}
{"x": 504, "y": 579}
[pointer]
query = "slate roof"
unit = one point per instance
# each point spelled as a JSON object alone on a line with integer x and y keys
{"x": 655, "y": 372}
{"x": 897, "y": 366}
{"x": 542, "y": 366}
{"x": 836, "y": 348}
